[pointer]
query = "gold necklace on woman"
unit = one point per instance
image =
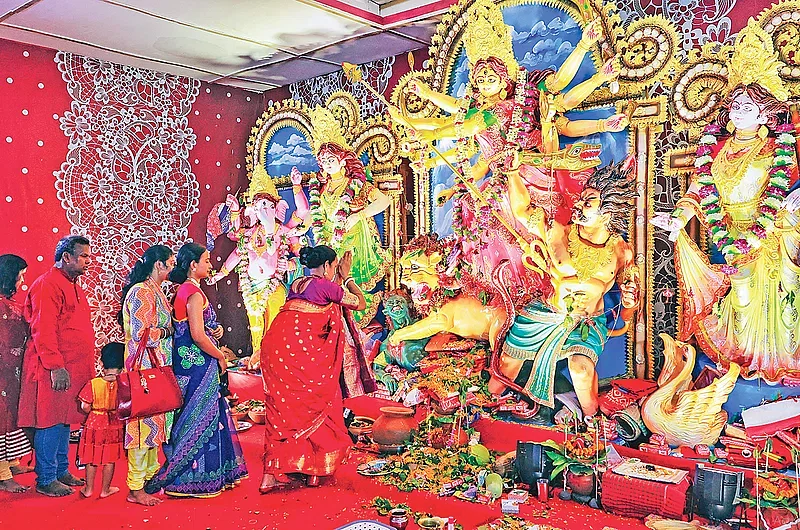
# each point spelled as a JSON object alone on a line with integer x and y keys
{"x": 732, "y": 161}
{"x": 587, "y": 257}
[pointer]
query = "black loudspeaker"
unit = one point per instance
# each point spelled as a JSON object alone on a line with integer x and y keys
{"x": 532, "y": 463}
{"x": 716, "y": 493}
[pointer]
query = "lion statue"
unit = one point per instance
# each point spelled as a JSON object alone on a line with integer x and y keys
{"x": 449, "y": 299}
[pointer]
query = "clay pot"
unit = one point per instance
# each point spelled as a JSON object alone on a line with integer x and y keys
{"x": 394, "y": 426}
{"x": 398, "y": 517}
{"x": 582, "y": 484}
{"x": 259, "y": 417}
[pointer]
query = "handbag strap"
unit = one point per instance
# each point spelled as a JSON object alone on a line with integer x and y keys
{"x": 140, "y": 351}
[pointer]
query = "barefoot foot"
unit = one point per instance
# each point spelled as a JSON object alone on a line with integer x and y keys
{"x": 21, "y": 470}
{"x": 271, "y": 482}
{"x": 13, "y": 486}
{"x": 140, "y": 497}
{"x": 85, "y": 492}
{"x": 71, "y": 480}
{"x": 111, "y": 491}
{"x": 54, "y": 489}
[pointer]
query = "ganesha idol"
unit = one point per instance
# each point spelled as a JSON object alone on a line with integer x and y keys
{"x": 263, "y": 247}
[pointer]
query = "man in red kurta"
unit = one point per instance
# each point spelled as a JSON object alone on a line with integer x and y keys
{"x": 59, "y": 361}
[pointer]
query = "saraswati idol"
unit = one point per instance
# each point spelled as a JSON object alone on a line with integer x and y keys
{"x": 744, "y": 310}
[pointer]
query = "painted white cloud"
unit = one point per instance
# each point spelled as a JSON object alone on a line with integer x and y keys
{"x": 538, "y": 29}
{"x": 556, "y": 25}
{"x": 569, "y": 24}
{"x": 296, "y": 139}
{"x": 288, "y": 159}
{"x": 301, "y": 150}
{"x": 277, "y": 149}
{"x": 517, "y": 36}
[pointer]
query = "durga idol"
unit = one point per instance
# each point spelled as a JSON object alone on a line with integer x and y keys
{"x": 744, "y": 310}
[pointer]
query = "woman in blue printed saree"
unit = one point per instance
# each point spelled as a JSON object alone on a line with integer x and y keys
{"x": 203, "y": 455}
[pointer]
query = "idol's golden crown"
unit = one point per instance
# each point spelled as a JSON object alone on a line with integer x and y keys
{"x": 486, "y": 35}
{"x": 325, "y": 128}
{"x": 755, "y": 61}
{"x": 261, "y": 182}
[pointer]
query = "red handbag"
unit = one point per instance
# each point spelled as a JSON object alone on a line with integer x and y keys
{"x": 144, "y": 392}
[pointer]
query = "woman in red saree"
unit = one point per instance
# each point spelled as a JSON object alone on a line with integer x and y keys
{"x": 302, "y": 356}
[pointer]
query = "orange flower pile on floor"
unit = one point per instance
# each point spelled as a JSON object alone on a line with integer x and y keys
{"x": 775, "y": 486}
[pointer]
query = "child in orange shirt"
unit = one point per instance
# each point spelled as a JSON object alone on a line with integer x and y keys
{"x": 101, "y": 439}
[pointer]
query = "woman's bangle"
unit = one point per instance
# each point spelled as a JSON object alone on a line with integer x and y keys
{"x": 601, "y": 125}
{"x": 349, "y": 279}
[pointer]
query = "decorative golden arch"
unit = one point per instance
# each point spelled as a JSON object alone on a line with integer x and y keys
{"x": 373, "y": 136}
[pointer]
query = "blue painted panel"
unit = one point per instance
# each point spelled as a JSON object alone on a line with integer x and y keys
{"x": 288, "y": 148}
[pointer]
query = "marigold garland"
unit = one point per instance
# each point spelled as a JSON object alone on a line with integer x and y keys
{"x": 771, "y": 202}
{"x": 339, "y": 220}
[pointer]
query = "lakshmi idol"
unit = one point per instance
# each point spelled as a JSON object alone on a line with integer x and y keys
{"x": 745, "y": 310}
{"x": 343, "y": 207}
{"x": 507, "y": 110}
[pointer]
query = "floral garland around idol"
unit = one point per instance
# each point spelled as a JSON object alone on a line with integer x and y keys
{"x": 246, "y": 284}
{"x": 526, "y": 103}
{"x": 771, "y": 202}
{"x": 351, "y": 191}
{"x": 463, "y": 145}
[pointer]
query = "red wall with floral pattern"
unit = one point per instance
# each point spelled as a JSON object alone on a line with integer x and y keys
{"x": 37, "y": 115}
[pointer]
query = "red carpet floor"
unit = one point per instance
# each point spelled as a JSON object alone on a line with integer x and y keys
{"x": 338, "y": 501}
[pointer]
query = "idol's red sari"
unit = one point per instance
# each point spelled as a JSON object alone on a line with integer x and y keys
{"x": 302, "y": 356}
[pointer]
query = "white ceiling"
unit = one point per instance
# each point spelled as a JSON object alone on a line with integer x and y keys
{"x": 252, "y": 44}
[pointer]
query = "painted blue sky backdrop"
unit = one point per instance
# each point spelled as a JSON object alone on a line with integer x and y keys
{"x": 542, "y": 37}
{"x": 288, "y": 148}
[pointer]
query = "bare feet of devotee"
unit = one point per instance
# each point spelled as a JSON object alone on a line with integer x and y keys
{"x": 71, "y": 480}
{"x": 140, "y": 497}
{"x": 111, "y": 491}
{"x": 270, "y": 483}
{"x": 85, "y": 491}
{"x": 20, "y": 469}
{"x": 12, "y": 486}
{"x": 54, "y": 489}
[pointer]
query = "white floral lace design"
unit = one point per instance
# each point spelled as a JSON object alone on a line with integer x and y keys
{"x": 697, "y": 21}
{"x": 127, "y": 182}
{"x": 315, "y": 91}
